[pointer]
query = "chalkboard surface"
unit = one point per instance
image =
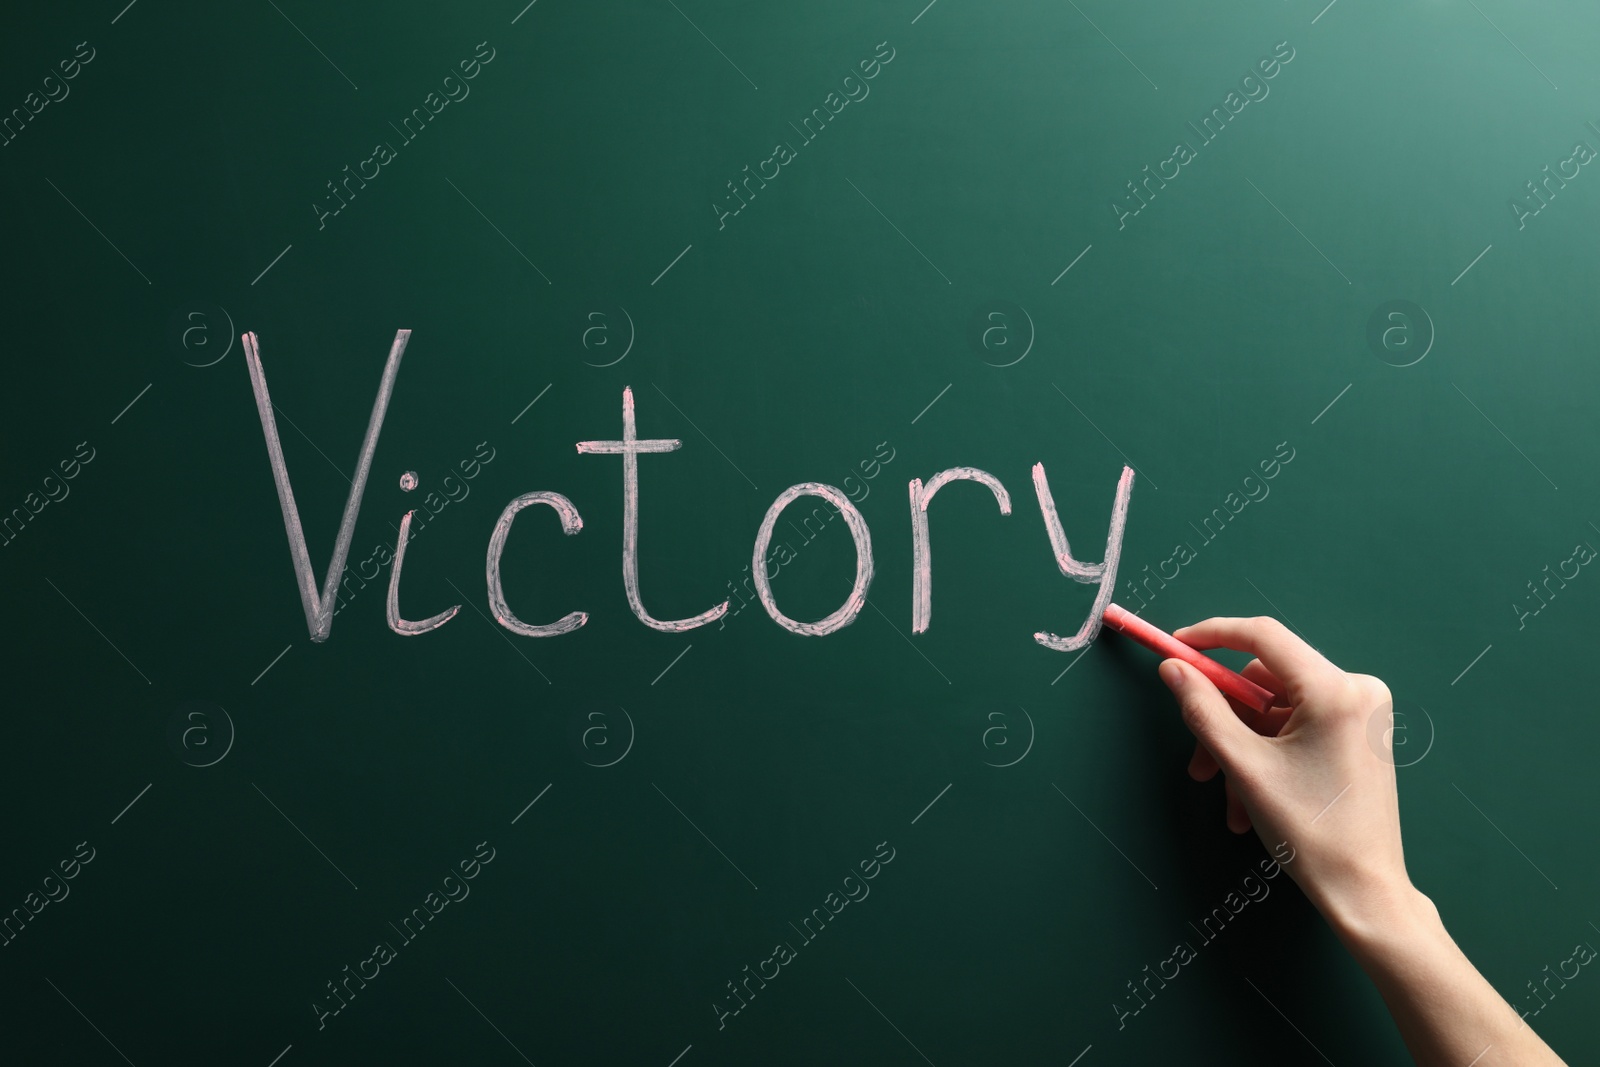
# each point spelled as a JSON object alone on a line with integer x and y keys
{"x": 1321, "y": 277}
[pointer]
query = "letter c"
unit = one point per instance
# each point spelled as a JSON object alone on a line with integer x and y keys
{"x": 571, "y": 523}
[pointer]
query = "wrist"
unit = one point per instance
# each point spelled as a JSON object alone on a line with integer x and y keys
{"x": 1379, "y": 920}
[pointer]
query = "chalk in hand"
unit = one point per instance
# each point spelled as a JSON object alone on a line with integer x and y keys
{"x": 1230, "y": 682}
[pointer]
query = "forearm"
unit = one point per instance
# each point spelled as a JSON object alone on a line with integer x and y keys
{"x": 1448, "y": 1013}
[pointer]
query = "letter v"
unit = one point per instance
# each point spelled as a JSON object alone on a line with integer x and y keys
{"x": 319, "y": 610}
{"x": 1088, "y": 573}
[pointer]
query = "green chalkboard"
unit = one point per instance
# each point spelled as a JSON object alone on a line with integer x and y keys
{"x": 1320, "y": 275}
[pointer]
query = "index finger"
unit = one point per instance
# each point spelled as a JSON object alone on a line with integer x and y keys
{"x": 1295, "y": 663}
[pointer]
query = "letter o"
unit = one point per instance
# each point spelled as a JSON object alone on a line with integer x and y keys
{"x": 858, "y": 531}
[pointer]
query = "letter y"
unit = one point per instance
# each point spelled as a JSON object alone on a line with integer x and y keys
{"x": 1104, "y": 573}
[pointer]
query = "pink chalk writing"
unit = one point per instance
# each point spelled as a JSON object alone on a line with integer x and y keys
{"x": 319, "y": 607}
{"x": 392, "y": 609}
{"x": 571, "y": 523}
{"x": 1088, "y": 573}
{"x": 858, "y": 531}
{"x": 629, "y": 448}
{"x": 921, "y": 551}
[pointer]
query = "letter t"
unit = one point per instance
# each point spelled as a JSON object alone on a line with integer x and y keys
{"x": 629, "y": 448}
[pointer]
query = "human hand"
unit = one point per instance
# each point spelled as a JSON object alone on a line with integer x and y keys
{"x": 1309, "y": 772}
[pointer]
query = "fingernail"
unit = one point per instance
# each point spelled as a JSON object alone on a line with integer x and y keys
{"x": 1171, "y": 673}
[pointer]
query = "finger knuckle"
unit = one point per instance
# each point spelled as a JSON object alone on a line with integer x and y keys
{"x": 1270, "y": 626}
{"x": 1372, "y": 691}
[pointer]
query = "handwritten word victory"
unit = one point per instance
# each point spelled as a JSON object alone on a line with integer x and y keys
{"x": 319, "y": 606}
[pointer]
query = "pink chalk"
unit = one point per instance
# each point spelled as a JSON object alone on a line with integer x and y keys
{"x": 1232, "y": 683}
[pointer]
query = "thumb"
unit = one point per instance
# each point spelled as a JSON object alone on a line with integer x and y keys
{"x": 1208, "y": 716}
